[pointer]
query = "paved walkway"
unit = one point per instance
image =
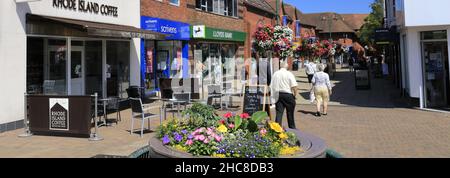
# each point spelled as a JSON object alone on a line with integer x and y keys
{"x": 117, "y": 141}
{"x": 373, "y": 123}
{"x": 368, "y": 123}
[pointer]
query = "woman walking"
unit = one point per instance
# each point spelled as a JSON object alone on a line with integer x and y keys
{"x": 322, "y": 89}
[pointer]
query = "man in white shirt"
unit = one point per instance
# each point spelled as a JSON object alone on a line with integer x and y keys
{"x": 283, "y": 89}
{"x": 311, "y": 69}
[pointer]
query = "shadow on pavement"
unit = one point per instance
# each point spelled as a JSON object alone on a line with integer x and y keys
{"x": 383, "y": 94}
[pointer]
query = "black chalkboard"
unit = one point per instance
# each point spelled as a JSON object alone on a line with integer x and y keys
{"x": 254, "y": 99}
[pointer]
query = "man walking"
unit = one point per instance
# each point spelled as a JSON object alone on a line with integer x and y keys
{"x": 283, "y": 89}
{"x": 310, "y": 71}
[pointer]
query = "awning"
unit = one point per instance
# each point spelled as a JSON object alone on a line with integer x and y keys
{"x": 45, "y": 25}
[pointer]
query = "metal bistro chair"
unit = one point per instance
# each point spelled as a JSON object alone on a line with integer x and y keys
{"x": 140, "y": 112}
{"x": 214, "y": 92}
{"x": 183, "y": 99}
{"x": 113, "y": 106}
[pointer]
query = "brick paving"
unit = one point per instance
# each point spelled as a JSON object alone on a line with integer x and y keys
{"x": 368, "y": 123}
{"x": 373, "y": 123}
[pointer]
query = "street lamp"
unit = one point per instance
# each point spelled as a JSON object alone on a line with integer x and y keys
{"x": 330, "y": 20}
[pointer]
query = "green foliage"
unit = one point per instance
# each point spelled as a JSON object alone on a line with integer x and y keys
{"x": 252, "y": 126}
{"x": 237, "y": 122}
{"x": 171, "y": 126}
{"x": 372, "y": 22}
{"x": 258, "y": 117}
{"x": 292, "y": 140}
{"x": 200, "y": 115}
{"x": 201, "y": 149}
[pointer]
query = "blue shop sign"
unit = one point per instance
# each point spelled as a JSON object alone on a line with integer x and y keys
{"x": 176, "y": 30}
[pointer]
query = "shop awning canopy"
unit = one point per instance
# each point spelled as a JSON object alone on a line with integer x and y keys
{"x": 45, "y": 25}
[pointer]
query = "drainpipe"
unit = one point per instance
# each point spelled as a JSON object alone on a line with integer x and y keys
{"x": 277, "y": 12}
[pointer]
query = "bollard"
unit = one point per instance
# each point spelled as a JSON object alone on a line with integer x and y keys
{"x": 95, "y": 136}
{"x": 421, "y": 97}
{"x": 27, "y": 132}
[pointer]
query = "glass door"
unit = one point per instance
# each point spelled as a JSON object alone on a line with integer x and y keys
{"x": 77, "y": 72}
{"x": 436, "y": 74}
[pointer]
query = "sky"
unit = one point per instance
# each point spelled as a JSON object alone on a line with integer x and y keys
{"x": 339, "y": 6}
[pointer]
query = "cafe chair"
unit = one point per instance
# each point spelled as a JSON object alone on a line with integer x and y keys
{"x": 141, "y": 112}
{"x": 113, "y": 106}
{"x": 183, "y": 98}
{"x": 214, "y": 92}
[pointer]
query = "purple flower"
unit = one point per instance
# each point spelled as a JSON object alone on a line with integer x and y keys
{"x": 166, "y": 140}
{"x": 178, "y": 137}
{"x": 184, "y": 132}
{"x": 190, "y": 137}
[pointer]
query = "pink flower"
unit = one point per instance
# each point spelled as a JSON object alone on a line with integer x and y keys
{"x": 231, "y": 126}
{"x": 201, "y": 137}
{"x": 206, "y": 141}
{"x": 189, "y": 142}
{"x": 196, "y": 132}
{"x": 218, "y": 138}
{"x": 245, "y": 116}
{"x": 228, "y": 115}
{"x": 263, "y": 132}
{"x": 209, "y": 131}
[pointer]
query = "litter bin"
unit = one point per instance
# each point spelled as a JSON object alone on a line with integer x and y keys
{"x": 295, "y": 65}
{"x": 362, "y": 79}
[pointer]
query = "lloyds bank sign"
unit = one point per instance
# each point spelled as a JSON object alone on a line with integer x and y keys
{"x": 86, "y": 6}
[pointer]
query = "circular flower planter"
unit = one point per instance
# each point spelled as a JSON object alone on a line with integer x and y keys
{"x": 313, "y": 147}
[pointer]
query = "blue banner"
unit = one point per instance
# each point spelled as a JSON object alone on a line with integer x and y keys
{"x": 284, "y": 20}
{"x": 298, "y": 28}
{"x": 176, "y": 30}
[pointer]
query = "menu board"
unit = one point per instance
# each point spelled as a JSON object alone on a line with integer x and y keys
{"x": 254, "y": 99}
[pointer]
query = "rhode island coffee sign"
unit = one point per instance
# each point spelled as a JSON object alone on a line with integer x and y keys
{"x": 59, "y": 114}
{"x": 86, "y": 6}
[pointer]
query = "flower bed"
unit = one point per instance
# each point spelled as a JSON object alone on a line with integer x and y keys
{"x": 200, "y": 133}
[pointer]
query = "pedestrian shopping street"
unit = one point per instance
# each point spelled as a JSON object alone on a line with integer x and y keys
{"x": 361, "y": 123}
{"x": 373, "y": 123}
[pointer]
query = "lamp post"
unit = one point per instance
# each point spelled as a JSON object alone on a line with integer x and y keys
{"x": 329, "y": 20}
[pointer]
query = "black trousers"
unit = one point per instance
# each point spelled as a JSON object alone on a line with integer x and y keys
{"x": 286, "y": 101}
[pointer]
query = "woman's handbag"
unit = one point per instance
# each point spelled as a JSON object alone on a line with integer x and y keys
{"x": 312, "y": 97}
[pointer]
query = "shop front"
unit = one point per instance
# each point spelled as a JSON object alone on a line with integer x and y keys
{"x": 218, "y": 58}
{"x": 166, "y": 58}
{"x": 68, "y": 49}
{"x": 436, "y": 69}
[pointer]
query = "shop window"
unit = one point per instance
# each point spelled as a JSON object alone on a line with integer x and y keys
{"x": 434, "y": 35}
{"x": 35, "y": 65}
{"x": 55, "y": 75}
{"x": 150, "y": 76}
{"x": 94, "y": 71}
{"x": 117, "y": 68}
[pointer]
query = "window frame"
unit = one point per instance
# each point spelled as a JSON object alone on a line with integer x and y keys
{"x": 175, "y": 4}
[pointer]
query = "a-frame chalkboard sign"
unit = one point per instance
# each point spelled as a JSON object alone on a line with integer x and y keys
{"x": 254, "y": 98}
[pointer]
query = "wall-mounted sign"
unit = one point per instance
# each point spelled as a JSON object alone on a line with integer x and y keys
{"x": 87, "y": 7}
{"x": 175, "y": 30}
{"x": 59, "y": 114}
{"x": 200, "y": 31}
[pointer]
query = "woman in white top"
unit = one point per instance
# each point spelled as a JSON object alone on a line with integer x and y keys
{"x": 322, "y": 89}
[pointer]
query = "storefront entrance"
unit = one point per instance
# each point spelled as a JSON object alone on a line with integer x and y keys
{"x": 92, "y": 66}
{"x": 436, "y": 70}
